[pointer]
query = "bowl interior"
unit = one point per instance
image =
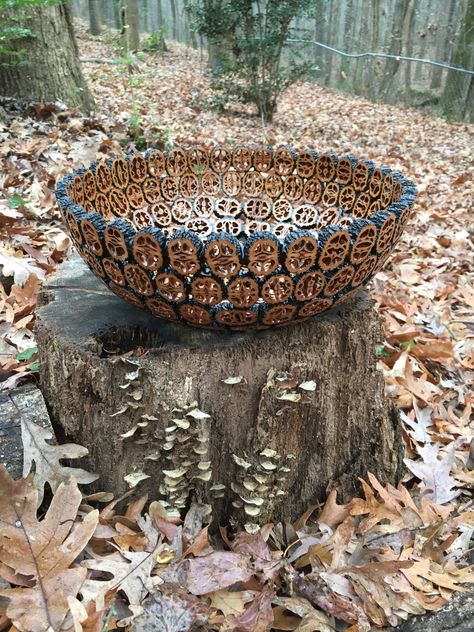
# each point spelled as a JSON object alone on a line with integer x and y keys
{"x": 239, "y": 192}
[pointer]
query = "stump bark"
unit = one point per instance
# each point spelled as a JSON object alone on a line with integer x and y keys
{"x": 257, "y": 426}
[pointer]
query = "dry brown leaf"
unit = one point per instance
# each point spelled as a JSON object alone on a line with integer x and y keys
{"x": 171, "y": 612}
{"x": 218, "y": 570}
{"x": 435, "y": 473}
{"x": 43, "y": 550}
{"x": 257, "y": 617}
{"x": 19, "y": 268}
{"x": 230, "y": 602}
{"x": 311, "y": 619}
{"x": 46, "y": 458}
{"x": 131, "y": 573}
{"x": 333, "y": 514}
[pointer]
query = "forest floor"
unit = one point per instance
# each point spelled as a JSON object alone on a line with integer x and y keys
{"x": 425, "y": 294}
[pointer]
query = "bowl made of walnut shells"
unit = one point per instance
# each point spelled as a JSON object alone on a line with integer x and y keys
{"x": 235, "y": 238}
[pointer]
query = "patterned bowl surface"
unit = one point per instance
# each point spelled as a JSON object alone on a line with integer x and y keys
{"x": 242, "y": 238}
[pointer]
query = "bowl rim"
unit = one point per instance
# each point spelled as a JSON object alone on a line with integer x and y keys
{"x": 406, "y": 199}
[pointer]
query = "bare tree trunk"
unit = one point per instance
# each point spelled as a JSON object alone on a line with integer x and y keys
{"x": 348, "y": 28}
{"x": 445, "y": 40}
{"x": 331, "y": 29}
{"x": 320, "y": 34}
{"x": 375, "y": 64}
{"x": 360, "y": 69}
{"x": 117, "y": 9}
{"x": 392, "y": 65}
{"x": 132, "y": 36}
{"x": 469, "y": 115}
{"x": 423, "y": 33}
{"x": 190, "y": 33}
{"x": 161, "y": 27}
{"x": 408, "y": 47}
{"x": 52, "y": 71}
{"x": 174, "y": 13}
{"x": 94, "y": 17}
{"x": 454, "y": 100}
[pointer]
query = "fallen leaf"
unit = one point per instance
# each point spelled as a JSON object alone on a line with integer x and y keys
{"x": 42, "y": 550}
{"x": 46, "y": 458}
{"x": 19, "y": 268}
{"x": 218, "y": 570}
{"x": 434, "y": 472}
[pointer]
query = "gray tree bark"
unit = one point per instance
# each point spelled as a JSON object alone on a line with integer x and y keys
{"x": 445, "y": 39}
{"x": 174, "y": 14}
{"x": 407, "y": 47}
{"x": 132, "y": 35}
{"x": 94, "y": 17}
{"x": 52, "y": 71}
{"x": 455, "y": 98}
{"x": 258, "y": 426}
{"x": 392, "y": 65}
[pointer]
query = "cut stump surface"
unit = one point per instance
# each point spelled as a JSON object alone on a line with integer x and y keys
{"x": 257, "y": 425}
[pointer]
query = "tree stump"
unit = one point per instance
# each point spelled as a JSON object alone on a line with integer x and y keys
{"x": 257, "y": 426}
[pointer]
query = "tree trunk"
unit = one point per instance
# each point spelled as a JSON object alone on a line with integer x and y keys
{"x": 445, "y": 38}
{"x": 360, "y": 81}
{"x": 51, "y": 70}
{"x": 258, "y": 426}
{"x": 94, "y": 17}
{"x": 190, "y": 33}
{"x": 407, "y": 47}
{"x": 117, "y": 10}
{"x": 132, "y": 35}
{"x": 374, "y": 64}
{"x": 392, "y": 65}
{"x": 174, "y": 13}
{"x": 320, "y": 34}
{"x": 454, "y": 100}
{"x": 346, "y": 64}
{"x": 161, "y": 27}
{"x": 469, "y": 115}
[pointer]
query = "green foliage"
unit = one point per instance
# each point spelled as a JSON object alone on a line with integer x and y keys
{"x": 246, "y": 43}
{"x": 10, "y": 53}
{"x": 156, "y": 41}
{"x": 27, "y": 354}
{"x": 16, "y": 5}
{"x": 381, "y": 352}
{"x": 15, "y": 201}
{"x": 8, "y": 35}
{"x": 135, "y": 128}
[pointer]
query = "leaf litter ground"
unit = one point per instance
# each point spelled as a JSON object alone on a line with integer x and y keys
{"x": 372, "y": 562}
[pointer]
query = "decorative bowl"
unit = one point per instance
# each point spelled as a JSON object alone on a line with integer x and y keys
{"x": 235, "y": 238}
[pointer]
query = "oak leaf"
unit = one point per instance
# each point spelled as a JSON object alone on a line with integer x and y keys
{"x": 131, "y": 573}
{"x": 434, "y": 472}
{"x": 19, "y": 268}
{"x": 46, "y": 458}
{"x": 218, "y": 570}
{"x": 170, "y": 613}
{"x": 257, "y": 617}
{"x": 44, "y": 550}
{"x": 229, "y": 602}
